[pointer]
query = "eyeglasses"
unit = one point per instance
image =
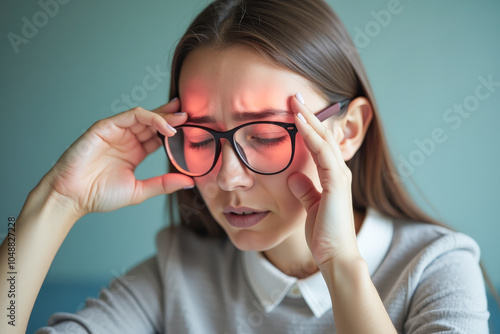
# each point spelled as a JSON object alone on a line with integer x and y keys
{"x": 264, "y": 147}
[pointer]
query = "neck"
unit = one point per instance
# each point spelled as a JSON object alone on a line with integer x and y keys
{"x": 293, "y": 256}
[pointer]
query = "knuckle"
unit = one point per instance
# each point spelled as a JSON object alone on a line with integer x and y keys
{"x": 309, "y": 195}
{"x": 329, "y": 134}
{"x": 100, "y": 123}
{"x": 104, "y": 123}
{"x": 103, "y": 126}
{"x": 324, "y": 132}
{"x": 325, "y": 146}
{"x": 347, "y": 176}
{"x": 137, "y": 109}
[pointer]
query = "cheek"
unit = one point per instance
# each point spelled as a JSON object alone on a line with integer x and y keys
{"x": 277, "y": 185}
{"x": 208, "y": 188}
{"x": 304, "y": 163}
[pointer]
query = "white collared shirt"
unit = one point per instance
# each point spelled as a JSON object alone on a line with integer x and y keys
{"x": 270, "y": 285}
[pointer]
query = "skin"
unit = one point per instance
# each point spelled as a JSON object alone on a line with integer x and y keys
{"x": 219, "y": 83}
{"x": 96, "y": 174}
{"x": 311, "y": 224}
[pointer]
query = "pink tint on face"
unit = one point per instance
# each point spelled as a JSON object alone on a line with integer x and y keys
{"x": 270, "y": 160}
{"x": 199, "y": 149}
{"x": 267, "y": 147}
{"x": 199, "y": 100}
{"x": 239, "y": 79}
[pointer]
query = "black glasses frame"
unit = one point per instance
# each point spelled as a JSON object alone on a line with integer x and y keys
{"x": 291, "y": 128}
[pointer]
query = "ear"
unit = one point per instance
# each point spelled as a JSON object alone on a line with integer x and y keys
{"x": 350, "y": 130}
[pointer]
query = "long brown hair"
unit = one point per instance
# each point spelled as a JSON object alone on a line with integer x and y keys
{"x": 308, "y": 38}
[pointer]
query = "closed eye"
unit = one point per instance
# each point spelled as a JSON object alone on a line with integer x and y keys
{"x": 200, "y": 145}
{"x": 270, "y": 141}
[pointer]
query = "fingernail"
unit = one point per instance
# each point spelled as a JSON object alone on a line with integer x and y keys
{"x": 299, "y": 115}
{"x": 174, "y": 99}
{"x": 300, "y": 98}
{"x": 171, "y": 128}
{"x": 179, "y": 113}
{"x": 188, "y": 187}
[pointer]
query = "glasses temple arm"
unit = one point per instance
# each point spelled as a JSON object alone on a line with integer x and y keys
{"x": 331, "y": 110}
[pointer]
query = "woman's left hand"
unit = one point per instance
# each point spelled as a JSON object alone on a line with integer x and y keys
{"x": 330, "y": 229}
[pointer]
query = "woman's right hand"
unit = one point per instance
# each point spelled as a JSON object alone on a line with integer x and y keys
{"x": 96, "y": 173}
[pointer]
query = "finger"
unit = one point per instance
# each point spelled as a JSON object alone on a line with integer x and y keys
{"x": 311, "y": 119}
{"x": 176, "y": 119}
{"x": 138, "y": 128}
{"x": 138, "y": 115}
{"x": 319, "y": 139}
{"x": 159, "y": 185}
{"x": 152, "y": 144}
{"x": 304, "y": 190}
{"x": 172, "y": 113}
{"x": 144, "y": 132}
{"x": 168, "y": 108}
{"x": 321, "y": 151}
{"x": 145, "y": 135}
{"x": 299, "y": 105}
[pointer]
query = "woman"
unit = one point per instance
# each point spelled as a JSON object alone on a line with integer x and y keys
{"x": 292, "y": 217}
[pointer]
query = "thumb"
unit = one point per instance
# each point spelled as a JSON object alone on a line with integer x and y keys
{"x": 303, "y": 188}
{"x": 159, "y": 185}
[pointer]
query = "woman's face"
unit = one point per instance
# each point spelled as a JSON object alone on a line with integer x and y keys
{"x": 218, "y": 84}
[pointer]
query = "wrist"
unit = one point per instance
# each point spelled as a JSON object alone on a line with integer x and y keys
{"x": 356, "y": 304}
{"x": 340, "y": 258}
{"x": 44, "y": 201}
{"x": 344, "y": 268}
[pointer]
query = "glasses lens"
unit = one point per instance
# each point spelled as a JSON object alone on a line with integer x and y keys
{"x": 266, "y": 148}
{"x": 191, "y": 150}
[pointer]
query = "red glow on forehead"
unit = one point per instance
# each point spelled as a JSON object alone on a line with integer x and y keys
{"x": 195, "y": 99}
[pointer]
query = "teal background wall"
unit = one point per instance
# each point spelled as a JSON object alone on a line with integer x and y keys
{"x": 423, "y": 60}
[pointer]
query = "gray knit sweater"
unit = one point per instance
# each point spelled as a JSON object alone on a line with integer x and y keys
{"x": 429, "y": 282}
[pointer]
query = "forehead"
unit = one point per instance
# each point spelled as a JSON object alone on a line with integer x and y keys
{"x": 236, "y": 78}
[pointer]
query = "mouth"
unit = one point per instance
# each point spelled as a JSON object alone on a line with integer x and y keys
{"x": 244, "y": 217}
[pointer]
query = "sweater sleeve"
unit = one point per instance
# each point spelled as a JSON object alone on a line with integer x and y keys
{"x": 450, "y": 295}
{"x": 131, "y": 304}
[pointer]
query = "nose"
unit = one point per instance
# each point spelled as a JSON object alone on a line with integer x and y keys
{"x": 232, "y": 174}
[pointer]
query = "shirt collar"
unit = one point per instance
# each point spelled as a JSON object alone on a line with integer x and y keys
{"x": 270, "y": 285}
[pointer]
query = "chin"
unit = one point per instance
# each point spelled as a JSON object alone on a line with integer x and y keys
{"x": 251, "y": 240}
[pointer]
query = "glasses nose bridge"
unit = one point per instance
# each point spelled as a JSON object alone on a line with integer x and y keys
{"x": 229, "y": 137}
{"x": 231, "y": 172}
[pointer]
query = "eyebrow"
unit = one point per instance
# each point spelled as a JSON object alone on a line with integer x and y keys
{"x": 242, "y": 116}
